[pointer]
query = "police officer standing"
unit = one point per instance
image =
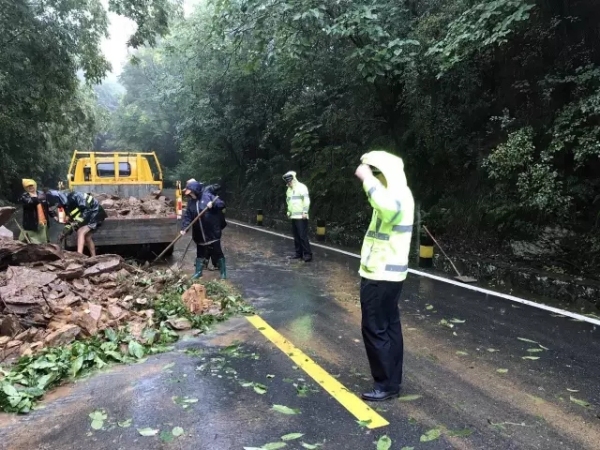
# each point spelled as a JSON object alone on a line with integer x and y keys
{"x": 298, "y": 203}
{"x": 383, "y": 268}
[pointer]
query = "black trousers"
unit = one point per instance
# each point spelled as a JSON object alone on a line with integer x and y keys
{"x": 211, "y": 251}
{"x": 382, "y": 331}
{"x": 300, "y": 230}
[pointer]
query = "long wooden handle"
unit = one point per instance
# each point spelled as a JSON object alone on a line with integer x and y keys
{"x": 440, "y": 247}
{"x": 179, "y": 235}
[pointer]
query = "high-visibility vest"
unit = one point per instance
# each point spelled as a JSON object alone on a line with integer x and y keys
{"x": 386, "y": 246}
{"x": 298, "y": 200}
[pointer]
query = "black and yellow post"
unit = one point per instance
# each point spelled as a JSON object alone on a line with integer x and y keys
{"x": 259, "y": 217}
{"x": 426, "y": 252}
{"x": 320, "y": 230}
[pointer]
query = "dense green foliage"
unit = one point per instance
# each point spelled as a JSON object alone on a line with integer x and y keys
{"x": 45, "y": 111}
{"x": 493, "y": 105}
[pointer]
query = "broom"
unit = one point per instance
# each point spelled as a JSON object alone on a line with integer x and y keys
{"x": 459, "y": 277}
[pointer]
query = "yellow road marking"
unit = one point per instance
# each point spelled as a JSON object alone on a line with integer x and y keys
{"x": 351, "y": 402}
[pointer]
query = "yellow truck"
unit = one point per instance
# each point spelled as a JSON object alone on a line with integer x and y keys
{"x": 125, "y": 175}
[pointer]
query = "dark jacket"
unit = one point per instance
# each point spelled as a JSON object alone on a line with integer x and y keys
{"x": 208, "y": 228}
{"x": 215, "y": 189}
{"x": 80, "y": 207}
{"x": 30, "y": 211}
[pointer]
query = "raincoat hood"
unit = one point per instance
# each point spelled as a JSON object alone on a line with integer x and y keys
{"x": 29, "y": 182}
{"x": 196, "y": 188}
{"x": 391, "y": 166}
{"x": 55, "y": 198}
{"x": 289, "y": 174}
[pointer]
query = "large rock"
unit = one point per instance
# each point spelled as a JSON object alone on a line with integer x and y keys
{"x": 64, "y": 335}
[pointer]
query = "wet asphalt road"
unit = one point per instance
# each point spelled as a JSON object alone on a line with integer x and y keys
{"x": 455, "y": 341}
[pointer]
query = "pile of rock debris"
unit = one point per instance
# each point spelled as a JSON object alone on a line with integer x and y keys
{"x": 152, "y": 205}
{"x": 50, "y": 297}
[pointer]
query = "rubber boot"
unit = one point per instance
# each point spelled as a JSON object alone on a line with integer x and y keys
{"x": 199, "y": 267}
{"x": 223, "y": 269}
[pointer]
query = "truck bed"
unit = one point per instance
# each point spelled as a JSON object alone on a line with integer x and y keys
{"x": 138, "y": 230}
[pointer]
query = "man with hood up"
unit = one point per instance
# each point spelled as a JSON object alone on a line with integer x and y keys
{"x": 383, "y": 268}
{"x": 298, "y": 203}
{"x": 85, "y": 216}
{"x": 207, "y": 230}
{"x": 36, "y": 214}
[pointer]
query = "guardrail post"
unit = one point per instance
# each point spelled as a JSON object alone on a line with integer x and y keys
{"x": 425, "y": 251}
{"x": 320, "y": 230}
{"x": 259, "y": 217}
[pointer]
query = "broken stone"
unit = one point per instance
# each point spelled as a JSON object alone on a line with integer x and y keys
{"x": 84, "y": 321}
{"x": 114, "y": 311}
{"x": 180, "y": 323}
{"x": 95, "y": 311}
{"x": 5, "y": 233}
{"x": 108, "y": 203}
{"x": 103, "y": 263}
{"x": 64, "y": 335}
{"x": 6, "y": 213}
{"x": 10, "y": 326}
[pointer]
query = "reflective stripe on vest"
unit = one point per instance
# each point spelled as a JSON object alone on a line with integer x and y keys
{"x": 386, "y": 237}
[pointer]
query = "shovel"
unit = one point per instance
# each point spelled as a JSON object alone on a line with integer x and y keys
{"x": 462, "y": 278}
{"x": 179, "y": 236}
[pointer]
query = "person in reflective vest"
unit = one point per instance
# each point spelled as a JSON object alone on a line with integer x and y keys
{"x": 383, "y": 268}
{"x": 298, "y": 204}
{"x": 36, "y": 214}
{"x": 85, "y": 216}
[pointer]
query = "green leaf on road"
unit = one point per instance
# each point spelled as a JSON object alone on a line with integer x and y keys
{"x": 461, "y": 353}
{"x": 311, "y": 446}
{"x": 76, "y": 366}
{"x": 502, "y": 370}
{"x": 532, "y": 358}
{"x": 166, "y": 436}
{"x": 292, "y": 436}
{"x": 270, "y": 376}
{"x": 364, "y": 423}
{"x": 534, "y": 350}
{"x": 285, "y": 410}
{"x": 125, "y": 423}
{"x": 460, "y": 433}
{"x": 572, "y": 390}
{"x": 168, "y": 366}
{"x": 274, "y": 445}
{"x": 579, "y": 402}
{"x": 260, "y": 388}
{"x": 527, "y": 340}
{"x": 492, "y": 350}
{"x": 409, "y": 398}
{"x": 98, "y": 418}
{"x": 407, "y": 448}
{"x": 431, "y": 435}
{"x": 136, "y": 349}
{"x": 429, "y": 307}
{"x": 384, "y": 443}
{"x": 455, "y": 320}
{"x": 147, "y": 431}
{"x": 177, "y": 431}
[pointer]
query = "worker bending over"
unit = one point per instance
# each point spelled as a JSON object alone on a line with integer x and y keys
{"x": 298, "y": 203}
{"x": 383, "y": 268}
{"x": 85, "y": 215}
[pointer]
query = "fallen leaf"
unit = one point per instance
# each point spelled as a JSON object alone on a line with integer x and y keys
{"x": 246, "y": 383}
{"x": 260, "y": 388}
{"x": 460, "y": 433}
{"x": 502, "y": 370}
{"x": 136, "y": 349}
{"x": 527, "y": 340}
{"x": 364, "y": 423}
{"x": 177, "y": 431}
{"x": 572, "y": 390}
{"x": 534, "y": 350}
{"x": 292, "y": 436}
{"x": 166, "y": 436}
{"x": 125, "y": 423}
{"x": 492, "y": 350}
{"x": 274, "y": 445}
{"x": 384, "y": 443}
{"x": 532, "y": 358}
{"x": 98, "y": 418}
{"x": 147, "y": 432}
{"x": 285, "y": 410}
{"x": 97, "y": 424}
{"x": 407, "y": 448}
{"x": 461, "y": 353}
{"x": 431, "y": 435}
{"x": 579, "y": 402}
{"x": 270, "y": 376}
{"x": 455, "y": 320}
{"x": 409, "y": 398}
{"x": 168, "y": 366}
{"x": 311, "y": 446}
{"x": 429, "y": 307}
